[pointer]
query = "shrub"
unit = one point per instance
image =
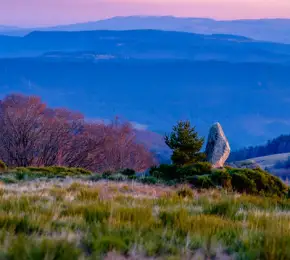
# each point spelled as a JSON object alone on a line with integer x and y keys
{"x": 20, "y": 176}
{"x": 68, "y": 171}
{"x": 201, "y": 175}
{"x": 117, "y": 177}
{"x": 203, "y": 181}
{"x": 52, "y": 171}
{"x": 149, "y": 180}
{"x": 242, "y": 183}
{"x": 203, "y": 167}
{"x": 3, "y": 166}
{"x": 179, "y": 174}
{"x": 157, "y": 174}
{"x": 222, "y": 178}
{"x": 257, "y": 182}
{"x": 96, "y": 177}
{"x": 134, "y": 177}
{"x": 8, "y": 179}
{"x": 128, "y": 172}
{"x": 171, "y": 182}
{"x": 165, "y": 172}
{"x": 81, "y": 171}
{"x": 107, "y": 174}
{"x": 199, "y": 168}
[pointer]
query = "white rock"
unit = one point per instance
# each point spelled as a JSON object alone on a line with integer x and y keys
{"x": 217, "y": 148}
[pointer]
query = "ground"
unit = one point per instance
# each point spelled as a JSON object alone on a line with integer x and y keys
{"x": 76, "y": 219}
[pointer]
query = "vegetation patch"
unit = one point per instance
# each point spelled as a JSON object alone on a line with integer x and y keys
{"x": 85, "y": 220}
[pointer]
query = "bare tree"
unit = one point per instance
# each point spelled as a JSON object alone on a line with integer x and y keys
{"x": 122, "y": 151}
{"x": 31, "y": 134}
{"x": 20, "y": 128}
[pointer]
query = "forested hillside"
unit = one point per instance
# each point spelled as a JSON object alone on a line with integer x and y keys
{"x": 278, "y": 145}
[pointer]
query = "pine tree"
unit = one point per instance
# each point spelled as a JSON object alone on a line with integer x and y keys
{"x": 185, "y": 144}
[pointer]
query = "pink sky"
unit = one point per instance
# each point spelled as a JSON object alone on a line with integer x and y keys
{"x": 50, "y": 12}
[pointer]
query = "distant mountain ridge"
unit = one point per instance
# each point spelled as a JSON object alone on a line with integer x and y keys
{"x": 274, "y": 30}
{"x": 143, "y": 44}
{"x": 156, "y": 77}
{"x": 4, "y": 28}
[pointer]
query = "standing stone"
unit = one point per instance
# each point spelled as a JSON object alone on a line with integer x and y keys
{"x": 217, "y": 148}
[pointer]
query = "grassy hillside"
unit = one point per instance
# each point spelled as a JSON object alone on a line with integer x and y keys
{"x": 73, "y": 219}
{"x": 270, "y": 160}
{"x": 270, "y": 163}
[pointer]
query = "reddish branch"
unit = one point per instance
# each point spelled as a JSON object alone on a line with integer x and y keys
{"x": 31, "y": 134}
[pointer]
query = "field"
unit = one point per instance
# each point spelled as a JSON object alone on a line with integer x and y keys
{"x": 71, "y": 218}
{"x": 269, "y": 162}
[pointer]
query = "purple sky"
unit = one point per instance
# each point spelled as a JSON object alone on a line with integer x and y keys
{"x": 50, "y": 12}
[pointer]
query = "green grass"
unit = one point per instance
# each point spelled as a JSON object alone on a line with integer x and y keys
{"x": 199, "y": 175}
{"x": 86, "y": 220}
{"x": 31, "y": 173}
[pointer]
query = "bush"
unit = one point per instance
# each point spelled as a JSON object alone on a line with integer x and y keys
{"x": 128, "y": 172}
{"x": 52, "y": 171}
{"x": 257, "y": 182}
{"x": 242, "y": 183}
{"x": 107, "y": 174}
{"x": 201, "y": 175}
{"x": 149, "y": 180}
{"x": 117, "y": 177}
{"x": 81, "y": 171}
{"x": 165, "y": 172}
{"x": 68, "y": 171}
{"x": 157, "y": 174}
{"x": 204, "y": 181}
{"x": 200, "y": 168}
{"x": 3, "y": 166}
{"x": 20, "y": 176}
{"x": 8, "y": 179}
{"x": 96, "y": 177}
{"x": 222, "y": 178}
{"x": 173, "y": 172}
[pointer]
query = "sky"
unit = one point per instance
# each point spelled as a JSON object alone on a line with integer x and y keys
{"x": 26, "y": 13}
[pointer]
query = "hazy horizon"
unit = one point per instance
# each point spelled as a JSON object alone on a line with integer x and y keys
{"x": 33, "y": 13}
{"x": 111, "y": 17}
